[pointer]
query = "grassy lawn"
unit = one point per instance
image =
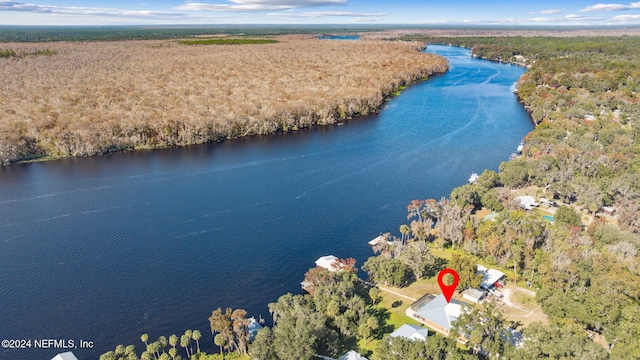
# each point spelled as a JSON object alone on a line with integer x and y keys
{"x": 391, "y": 309}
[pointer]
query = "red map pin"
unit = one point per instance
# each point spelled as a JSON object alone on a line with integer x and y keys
{"x": 448, "y": 290}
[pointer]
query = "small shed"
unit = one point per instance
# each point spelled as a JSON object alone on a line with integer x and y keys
{"x": 411, "y": 332}
{"x": 473, "y": 295}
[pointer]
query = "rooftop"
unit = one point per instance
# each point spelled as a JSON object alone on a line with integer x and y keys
{"x": 473, "y": 295}
{"x": 411, "y": 332}
{"x": 491, "y": 276}
{"x": 440, "y": 313}
{"x": 352, "y": 355}
{"x": 327, "y": 262}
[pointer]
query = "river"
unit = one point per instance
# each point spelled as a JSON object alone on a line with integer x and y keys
{"x": 106, "y": 248}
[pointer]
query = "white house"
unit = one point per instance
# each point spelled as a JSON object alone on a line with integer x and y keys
{"x": 411, "y": 332}
{"x": 327, "y": 262}
{"x": 526, "y": 202}
{"x": 65, "y": 356}
{"x": 254, "y": 327}
{"x": 436, "y": 312}
{"x": 379, "y": 239}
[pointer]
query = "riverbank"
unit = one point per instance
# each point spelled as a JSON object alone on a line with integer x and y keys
{"x": 130, "y": 95}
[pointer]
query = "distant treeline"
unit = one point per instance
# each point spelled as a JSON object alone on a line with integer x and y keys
{"x": 118, "y": 33}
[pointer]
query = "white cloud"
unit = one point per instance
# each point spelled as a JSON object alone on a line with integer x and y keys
{"x": 567, "y": 18}
{"x": 574, "y": 17}
{"x": 611, "y": 7}
{"x": 87, "y": 11}
{"x": 547, "y": 12}
{"x": 257, "y": 5}
{"x": 491, "y": 21}
{"x": 540, "y": 19}
{"x": 365, "y": 19}
{"x": 626, "y": 17}
{"x": 317, "y": 14}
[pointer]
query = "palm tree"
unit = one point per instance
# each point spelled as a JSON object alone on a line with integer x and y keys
{"x": 184, "y": 342}
{"x": 405, "y": 230}
{"x": 162, "y": 340}
{"x": 154, "y": 348}
{"x": 221, "y": 341}
{"x": 188, "y": 334}
{"x": 173, "y": 352}
{"x": 197, "y": 335}
{"x": 173, "y": 340}
{"x": 145, "y": 338}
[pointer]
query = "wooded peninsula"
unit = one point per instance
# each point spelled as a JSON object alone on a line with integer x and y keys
{"x": 66, "y": 99}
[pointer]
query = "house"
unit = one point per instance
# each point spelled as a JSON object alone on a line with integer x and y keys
{"x": 411, "y": 332}
{"x": 608, "y": 210}
{"x": 526, "y": 202}
{"x": 327, "y": 262}
{"x": 65, "y": 356}
{"x": 352, "y": 355}
{"x": 379, "y": 239}
{"x": 254, "y": 327}
{"x": 473, "y": 295}
{"x": 436, "y": 312}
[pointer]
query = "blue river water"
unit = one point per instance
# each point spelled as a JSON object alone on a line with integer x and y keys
{"x": 107, "y": 248}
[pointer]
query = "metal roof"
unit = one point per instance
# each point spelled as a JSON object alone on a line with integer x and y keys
{"x": 352, "y": 355}
{"x": 411, "y": 332}
{"x": 326, "y": 261}
{"x": 440, "y": 312}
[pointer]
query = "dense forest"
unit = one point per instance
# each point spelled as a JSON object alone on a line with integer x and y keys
{"x": 9, "y": 33}
{"x": 100, "y": 97}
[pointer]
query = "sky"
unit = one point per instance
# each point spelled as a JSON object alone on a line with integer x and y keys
{"x": 428, "y": 12}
